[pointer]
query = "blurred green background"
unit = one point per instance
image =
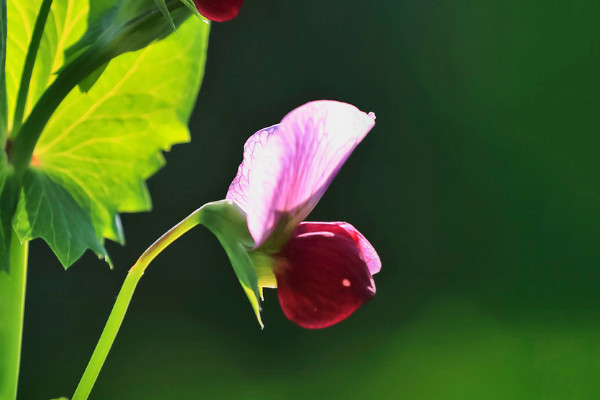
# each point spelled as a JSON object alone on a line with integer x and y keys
{"x": 478, "y": 187}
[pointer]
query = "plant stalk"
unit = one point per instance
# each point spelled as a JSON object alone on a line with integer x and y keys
{"x": 12, "y": 305}
{"x": 3, "y": 102}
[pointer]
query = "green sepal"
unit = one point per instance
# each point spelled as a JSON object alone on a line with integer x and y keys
{"x": 192, "y": 7}
{"x": 47, "y": 210}
{"x": 228, "y": 223}
{"x": 162, "y": 6}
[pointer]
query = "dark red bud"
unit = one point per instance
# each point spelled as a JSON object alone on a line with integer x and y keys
{"x": 322, "y": 277}
{"x": 219, "y": 10}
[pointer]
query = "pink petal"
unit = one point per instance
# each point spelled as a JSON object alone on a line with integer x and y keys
{"x": 288, "y": 167}
{"x": 219, "y": 10}
{"x": 252, "y": 150}
{"x": 367, "y": 251}
{"x": 321, "y": 275}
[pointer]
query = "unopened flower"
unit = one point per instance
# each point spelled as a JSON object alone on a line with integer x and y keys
{"x": 219, "y": 10}
{"x": 322, "y": 270}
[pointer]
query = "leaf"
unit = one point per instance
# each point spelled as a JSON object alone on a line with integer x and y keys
{"x": 48, "y": 211}
{"x": 119, "y": 26}
{"x": 103, "y": 144}
{"x": 72, "y": 25}
{"x": 66, "y": 23}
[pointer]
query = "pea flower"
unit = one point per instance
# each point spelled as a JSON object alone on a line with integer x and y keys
{"x": 219, "y": 10}
{"x": 322, "y": 270}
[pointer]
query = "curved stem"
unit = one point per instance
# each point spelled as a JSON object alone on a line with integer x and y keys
{"x": 12, "y": 306}
{"x": 34, "y": 45}
{"x": 124, "y": 298}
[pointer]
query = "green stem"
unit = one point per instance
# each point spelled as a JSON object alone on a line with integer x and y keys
{"x": 34, "y": 45}
{"x": 12, "y": 305}
{"x": 124, "y": 298}
{"x": 3, "y": 102}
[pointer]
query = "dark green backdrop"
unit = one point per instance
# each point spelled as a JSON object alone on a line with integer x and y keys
{"x": 478, "y": 187}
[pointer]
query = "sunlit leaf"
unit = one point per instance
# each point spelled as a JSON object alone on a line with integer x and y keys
{"x": 103, "y": 144}
{"x": 120, "y": 26}
{"x": 48, "y": 211}
{"x": 100, "y": 146}
{"x": 66, "y": 23}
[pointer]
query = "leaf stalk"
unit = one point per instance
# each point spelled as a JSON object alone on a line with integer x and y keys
{"x": 34, "y": 45}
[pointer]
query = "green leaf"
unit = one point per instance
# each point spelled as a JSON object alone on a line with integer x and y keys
{"x": 66, "y": 23}
{"x": 48, "y": 211}
{"x": 102, "y": 145}
{"x": 120, "y": 26}
{"x": 72, "y": 25}
{"x": 3, "y": 106}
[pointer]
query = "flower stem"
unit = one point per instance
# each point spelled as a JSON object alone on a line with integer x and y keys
{"x": 12, "y": 305}
{"x": 34, "y": 45}
{"x": 124, "y": 298}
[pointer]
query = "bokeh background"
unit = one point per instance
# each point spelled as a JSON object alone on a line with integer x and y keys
{"x": 478, "y": 186}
